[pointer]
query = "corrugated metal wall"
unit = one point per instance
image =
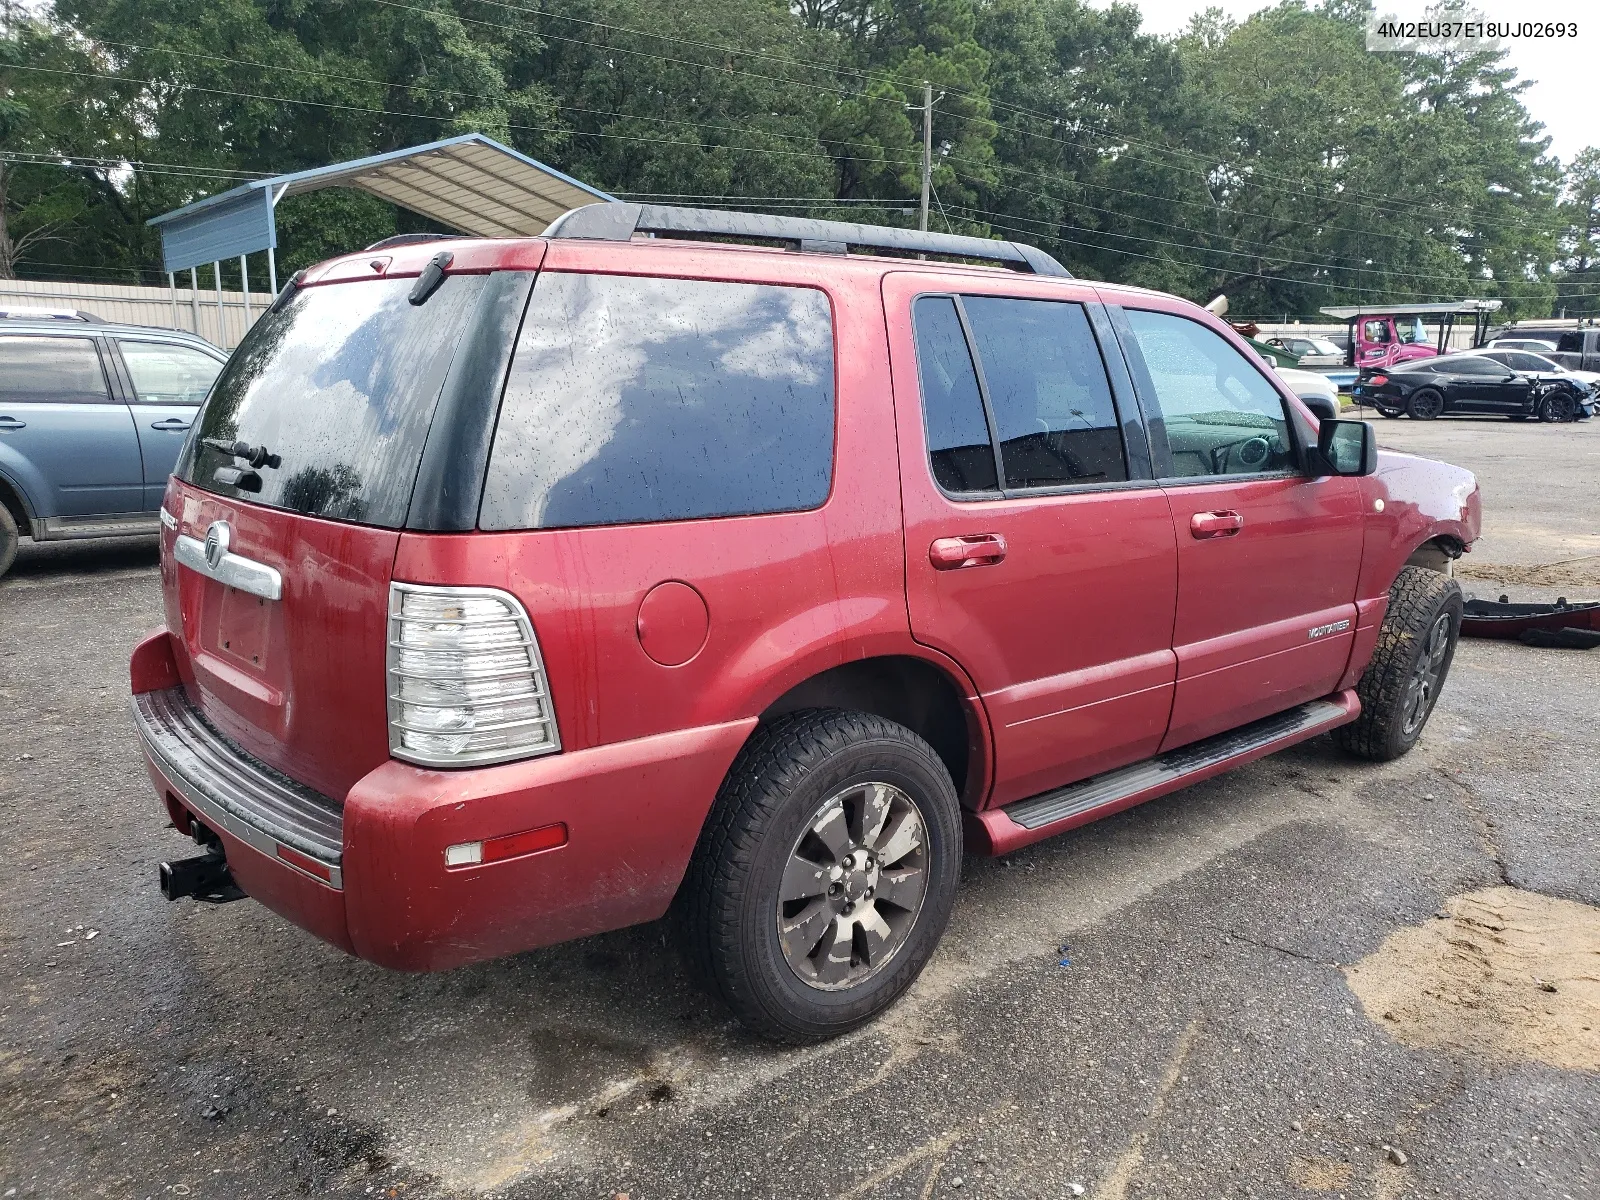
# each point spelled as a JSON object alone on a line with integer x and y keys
{"x": 143, "y": 305}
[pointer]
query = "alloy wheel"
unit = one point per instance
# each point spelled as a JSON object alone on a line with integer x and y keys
{"x": 853, "y": 886}
{"x": 1426, "y": 676}
{"x": 1426, "y": 405}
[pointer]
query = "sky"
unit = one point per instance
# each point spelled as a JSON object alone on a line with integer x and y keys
{"x": 1562, "y": 70}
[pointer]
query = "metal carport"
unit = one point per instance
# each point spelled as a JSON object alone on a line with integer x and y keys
{"x": 471, "y": 183}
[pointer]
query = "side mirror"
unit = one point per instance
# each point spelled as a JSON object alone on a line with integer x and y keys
{"x": 1346, "y": 448}
{"x": 1322, "y": 407}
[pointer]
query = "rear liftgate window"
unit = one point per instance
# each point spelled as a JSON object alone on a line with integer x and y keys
{"x": 339, "y": 386}
{"x": 637, "y": 399}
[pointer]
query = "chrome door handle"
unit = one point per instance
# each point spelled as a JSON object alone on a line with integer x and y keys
{"x": 973, "y": 550}
{"x": 1225, "y": 523}
{"x": 176, "y": 424}
{"x": 12, "y": 423}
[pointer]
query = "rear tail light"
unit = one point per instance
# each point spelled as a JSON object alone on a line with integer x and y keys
{"x": 1378, "y": 380}
{"x": 466, "y": 680}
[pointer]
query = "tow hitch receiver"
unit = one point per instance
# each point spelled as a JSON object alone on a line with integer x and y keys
{"x": 205, "y": 876}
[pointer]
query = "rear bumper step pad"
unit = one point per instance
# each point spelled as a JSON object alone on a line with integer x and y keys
{"x": 236, "y": 793}
{"x": 1037, "y": 817}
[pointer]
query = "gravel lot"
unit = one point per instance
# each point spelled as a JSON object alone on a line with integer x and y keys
{"x": 1165, "y": 1004}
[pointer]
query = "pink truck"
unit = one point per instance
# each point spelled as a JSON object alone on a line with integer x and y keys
{"x": 1382, "y": 335}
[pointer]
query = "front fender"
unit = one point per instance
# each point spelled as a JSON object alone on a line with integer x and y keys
{"x": 1410, "y": 501}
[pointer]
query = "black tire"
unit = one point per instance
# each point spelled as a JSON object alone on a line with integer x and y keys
{"x": 1393, "y": 713}
{"x": 1425, "y": 404}
{"x": 8, "y": 539}
{"x": 729, "y": 910}
{"x": 1558, "y": 407}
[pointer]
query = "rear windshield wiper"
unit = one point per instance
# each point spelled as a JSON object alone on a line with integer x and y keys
{"x": 239, "y": 477}
{"x": 256, "y": 456}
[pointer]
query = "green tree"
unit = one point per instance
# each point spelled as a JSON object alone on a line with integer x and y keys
{"x": 49, "y": 114}
{"x": 1578, "y": 284}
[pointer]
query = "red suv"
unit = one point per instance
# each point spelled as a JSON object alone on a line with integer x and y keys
{"x": 521, "y": 590}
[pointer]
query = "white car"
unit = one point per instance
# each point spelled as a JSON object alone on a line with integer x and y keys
{"x": 1536, "y": 345}
{"x": 1311, "y": 351}
{"x": 1319, "y": 392}
{"x": 1529, "y": 363}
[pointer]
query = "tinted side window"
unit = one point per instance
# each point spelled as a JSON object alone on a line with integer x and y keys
{"x": 1220, "y": 414}
{"x": 51, "y": 370}
{"x": 340, "y": 384}
{"x": 637, "y": 399}
{"x": 1526, "y": 362}
{"x": 959, "y": 448}
{"x": 1571, "y": 343}
{"x": 166, "y": 374}
{"x": 1048, "y": 391}
{"x": 1473, "y": 366}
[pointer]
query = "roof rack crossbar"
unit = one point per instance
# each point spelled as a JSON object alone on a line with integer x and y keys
{"x": 618, "y": 222}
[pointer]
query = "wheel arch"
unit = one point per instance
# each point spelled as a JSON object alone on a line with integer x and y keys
{"x": 915, "y": 692}
{"x": 1437, "y": 553}
{"x": 14, "y": 502}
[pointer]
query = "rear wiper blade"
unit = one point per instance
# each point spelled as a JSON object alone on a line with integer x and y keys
{"x": 256, "y": 456}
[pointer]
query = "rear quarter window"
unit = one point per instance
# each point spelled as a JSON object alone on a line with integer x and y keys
{"x": 645, "y": 399}
{"x": 340, "y": 384}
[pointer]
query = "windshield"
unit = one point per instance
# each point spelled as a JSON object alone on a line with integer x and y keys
{"x": 1410, "y": 331}
{"x": 336, "y": 390}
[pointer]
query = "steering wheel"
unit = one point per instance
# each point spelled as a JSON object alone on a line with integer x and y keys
{"x": 1251, "y": 454}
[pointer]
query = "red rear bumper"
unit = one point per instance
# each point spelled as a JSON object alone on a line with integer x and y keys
{"x": 632, "y": 811}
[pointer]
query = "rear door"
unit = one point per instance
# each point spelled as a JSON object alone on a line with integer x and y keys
{"x": 1039, "y": 550}
{"x": 337, "y": 390}
{"x": 1267, "y": 557}
{"x": 168, "y": 382}
{"x": 63, "y": 436}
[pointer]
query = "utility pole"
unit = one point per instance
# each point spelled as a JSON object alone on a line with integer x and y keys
{"x": 927, "y": 150}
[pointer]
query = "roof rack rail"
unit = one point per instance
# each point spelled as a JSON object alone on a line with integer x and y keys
{"x": 27, "y": 313}
{"x": 618, "y": 222}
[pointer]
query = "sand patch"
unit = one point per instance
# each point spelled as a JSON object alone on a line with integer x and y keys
{"x": 1319, "y": 1174}
{"x": 1577, "y": 572}
{"x": 1502, "y": 974}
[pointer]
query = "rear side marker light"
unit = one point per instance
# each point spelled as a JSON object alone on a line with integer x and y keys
{"x": 511, "y": 845}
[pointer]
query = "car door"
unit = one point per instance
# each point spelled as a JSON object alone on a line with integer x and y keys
{"x": 63, "y": 437}
{"x": 168, "y": 381}
{"x": 1039, "y": 550}
{"x": 1268, "y": 556}
{"x": 1486, "y": 386}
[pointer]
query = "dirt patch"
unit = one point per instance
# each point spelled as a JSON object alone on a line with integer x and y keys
{"x": 1576, "y": 572}
{"x": 1319, "y": 1174}
{"x": 1500, "y": 973}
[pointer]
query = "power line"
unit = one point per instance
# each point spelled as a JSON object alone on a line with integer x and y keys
{"x": 1053, "y": 122}
{"x": 1231, "y": 271}
{"x": 482, "y": 97}
{"x": 387, "y": 112}
{"x": 1215, "y": 250}
{"x": 83, "y": 162}
{"x": 813, "y": 139}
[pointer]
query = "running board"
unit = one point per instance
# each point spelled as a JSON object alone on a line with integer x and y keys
{"x": 1039, "y": 817}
